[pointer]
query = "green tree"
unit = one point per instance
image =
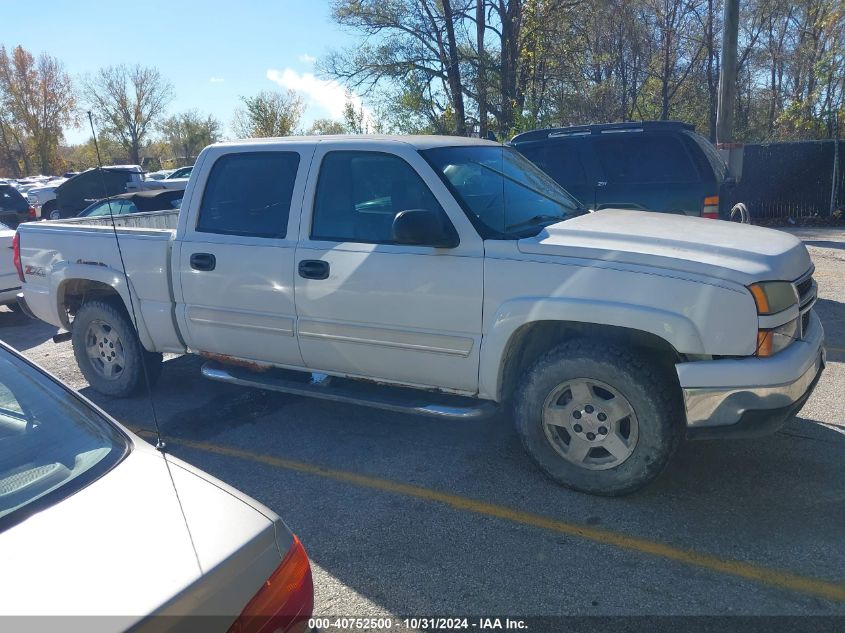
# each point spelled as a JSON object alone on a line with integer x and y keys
{"x": 188, "y": 133}
{"x": 37, "y": 100}
{"x": 327, "y": 126}
{"x": 268, "y": 114}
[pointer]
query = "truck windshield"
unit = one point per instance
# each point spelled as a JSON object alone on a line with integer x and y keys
{"x": 506, "y": 193}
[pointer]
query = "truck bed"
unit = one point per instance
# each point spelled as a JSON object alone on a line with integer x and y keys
{"x": 85, "y": 249}
{"x": 148, "y": 220}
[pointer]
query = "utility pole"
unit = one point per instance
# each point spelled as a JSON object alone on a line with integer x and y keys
{"x": 727, "y": 79}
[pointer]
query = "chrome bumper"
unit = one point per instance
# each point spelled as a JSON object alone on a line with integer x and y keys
{"x": 751, "y": 396}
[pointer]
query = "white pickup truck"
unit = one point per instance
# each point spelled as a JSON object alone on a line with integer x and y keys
{"x": 448, "y": 277}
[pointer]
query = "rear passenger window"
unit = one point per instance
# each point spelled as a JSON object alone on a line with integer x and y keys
{"x": 359, "y": 194}
{"x": 628, "y": 158}
{"x": 249, "y": 194}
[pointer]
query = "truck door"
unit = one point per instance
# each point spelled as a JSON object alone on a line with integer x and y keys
{"x": 370, "y": 307}
{"x": 236, "y": 259}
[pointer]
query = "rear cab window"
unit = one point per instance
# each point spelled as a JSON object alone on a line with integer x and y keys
{"x": 639, "y": 158}
{"x": 249, "y": 193}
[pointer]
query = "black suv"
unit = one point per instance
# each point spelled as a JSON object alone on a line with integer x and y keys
{"x": 652, "y": 165}
{"x": 14, "y": 208}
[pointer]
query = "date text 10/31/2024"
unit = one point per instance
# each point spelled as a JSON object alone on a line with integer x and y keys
{"x": 425, "y": 624}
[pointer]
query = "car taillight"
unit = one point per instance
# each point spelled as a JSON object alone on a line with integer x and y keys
{"x": 285, "y": 601}
{"x": 16, "y": 255}
{"x": 32, "y": 213}
{"x": 710, "y": 208}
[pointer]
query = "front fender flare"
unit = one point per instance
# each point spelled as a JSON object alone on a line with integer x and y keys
{"x": 674, "y": 328}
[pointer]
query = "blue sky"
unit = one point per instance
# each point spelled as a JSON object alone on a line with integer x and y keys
{"x": 212, "y": 51}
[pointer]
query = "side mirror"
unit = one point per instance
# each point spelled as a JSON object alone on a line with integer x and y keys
{"x": 423, "y": 227}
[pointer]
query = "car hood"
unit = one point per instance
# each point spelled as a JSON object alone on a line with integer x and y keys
{"x": 725, "y": 250}
{"x": 122, "y": 547}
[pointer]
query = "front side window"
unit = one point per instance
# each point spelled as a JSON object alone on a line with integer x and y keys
{"x": 249, "y": 194}
{"x": 505, "y": 194}
{"x": 50, "y": 442}
{"x": 360, "y": 193}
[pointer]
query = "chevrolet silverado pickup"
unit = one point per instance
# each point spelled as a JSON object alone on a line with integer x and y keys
{"x": 447, "y": 277}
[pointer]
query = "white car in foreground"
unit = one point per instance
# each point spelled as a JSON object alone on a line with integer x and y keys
{"x": 96, "y": 522}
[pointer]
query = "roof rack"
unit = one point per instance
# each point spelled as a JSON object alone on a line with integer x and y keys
{"x": 600, "y": 128}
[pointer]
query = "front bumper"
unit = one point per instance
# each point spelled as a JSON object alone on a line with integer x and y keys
{"x": 751, "y": 396}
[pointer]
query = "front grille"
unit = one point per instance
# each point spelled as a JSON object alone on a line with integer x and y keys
{"x": 807, "y": 290}
{"x": 804, "y": 287}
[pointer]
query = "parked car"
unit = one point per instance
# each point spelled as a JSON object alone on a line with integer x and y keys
{"x": 14, "y": 208}
{"x": 10, "y": 284}
{"x": 80, "y": 494}
{"x": 158, "y": 175}
{"x": 78, "y": 192}
{"x": 659, "y": 166}
{"x": 182, "y": 172}
{"x": 136, "y": 202}
{"x": 459, "y": 271}
{"x": 43, "y": 197}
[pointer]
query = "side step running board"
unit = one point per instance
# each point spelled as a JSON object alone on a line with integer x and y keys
{"x": 386, "y": 397}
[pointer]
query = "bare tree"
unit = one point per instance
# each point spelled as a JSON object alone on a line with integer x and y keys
{"x": 129, "y": 101}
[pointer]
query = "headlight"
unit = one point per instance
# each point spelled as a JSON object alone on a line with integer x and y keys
{"x": 772, "y": 341}
{"x": 772, "y": 297}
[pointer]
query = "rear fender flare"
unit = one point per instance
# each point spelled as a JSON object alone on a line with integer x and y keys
{"x": 63, "y": 274}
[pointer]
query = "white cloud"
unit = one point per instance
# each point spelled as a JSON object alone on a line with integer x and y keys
{"x": 216, "y": 80}
{"x": 305, "y": 58}
{"x": 324, "y": 93}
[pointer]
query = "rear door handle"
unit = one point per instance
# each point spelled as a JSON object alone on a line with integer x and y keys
{"x": 203, "y": 261}
{"x": 313, "y": 269}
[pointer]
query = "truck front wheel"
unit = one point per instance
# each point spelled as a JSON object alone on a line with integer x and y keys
{"x": 597, "y": 417}
{"x": 108, "y": 352}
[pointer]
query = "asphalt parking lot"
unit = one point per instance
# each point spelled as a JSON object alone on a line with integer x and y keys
{"x": 405, "y": 515}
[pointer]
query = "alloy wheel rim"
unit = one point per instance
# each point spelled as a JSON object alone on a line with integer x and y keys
{"x": 105, "y": 350}
{"x": 590, "y": 424}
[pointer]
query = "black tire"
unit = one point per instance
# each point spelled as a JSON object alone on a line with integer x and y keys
{"x": 47, "y": 208}
{"x": 130, "y": 377}
{"x": 14, "y": 307}
{"x": 651, "y": 391}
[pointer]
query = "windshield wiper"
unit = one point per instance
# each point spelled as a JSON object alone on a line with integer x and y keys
{"x": 536, "y": 220}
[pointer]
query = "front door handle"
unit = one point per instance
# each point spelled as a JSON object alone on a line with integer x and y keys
{"x": 313, "y": 269}
{"x": 203, "y": 261}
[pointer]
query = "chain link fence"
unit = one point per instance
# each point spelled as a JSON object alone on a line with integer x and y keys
{"x": 792, "y": 179}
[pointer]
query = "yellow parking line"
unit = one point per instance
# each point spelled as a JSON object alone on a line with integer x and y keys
{"x": 748, "y": 571}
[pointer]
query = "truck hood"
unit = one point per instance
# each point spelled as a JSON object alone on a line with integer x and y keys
{"x": 724, "y": 250}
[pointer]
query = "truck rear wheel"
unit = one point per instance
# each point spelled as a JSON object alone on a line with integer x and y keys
{"x": 597, "y": 417}
{"x": 108, "y": 352}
